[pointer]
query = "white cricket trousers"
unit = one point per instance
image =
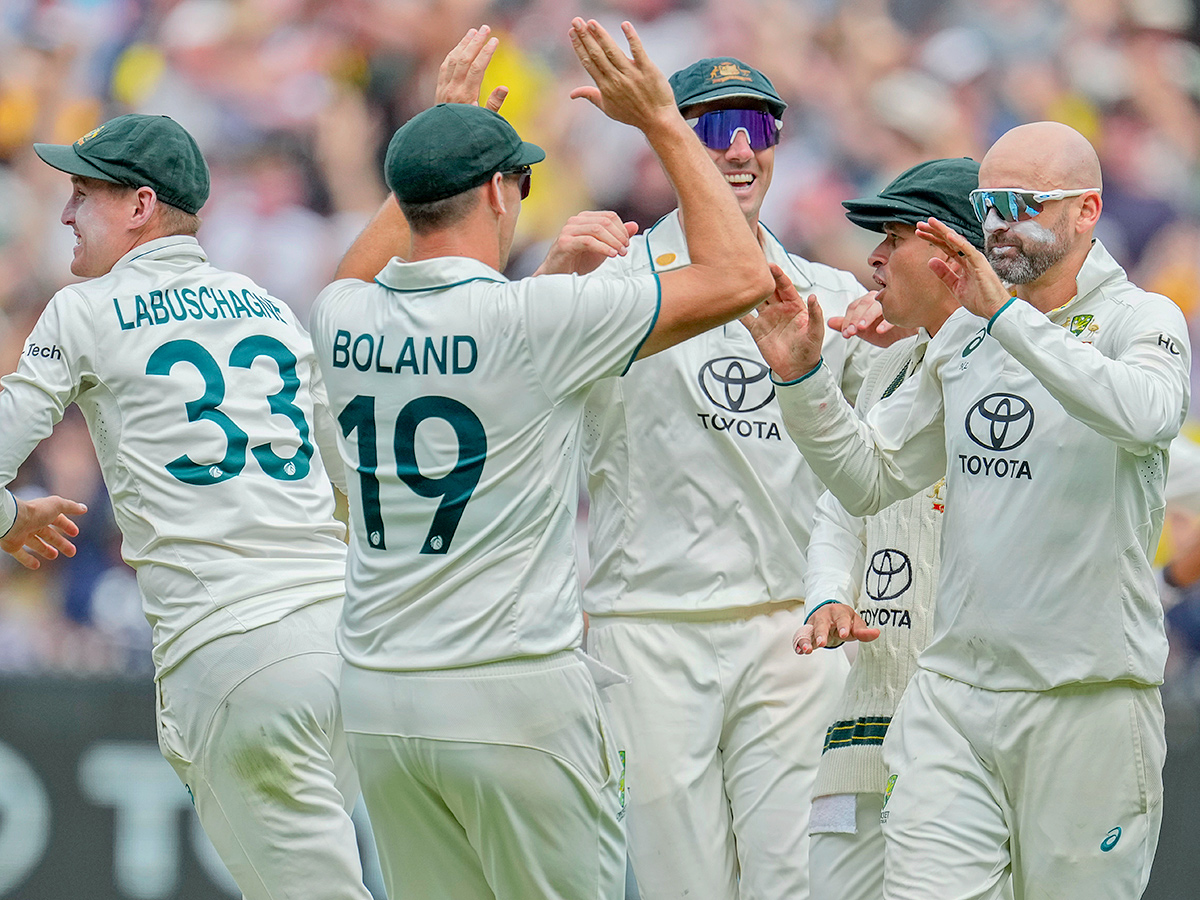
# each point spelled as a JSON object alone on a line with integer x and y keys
{"x": 722, "y": 726}
{"x": 492, "y": 781}
{"x": 252, "y": 725}
{"x": 848, "y": 865}
{"x": 1063, "y": 787}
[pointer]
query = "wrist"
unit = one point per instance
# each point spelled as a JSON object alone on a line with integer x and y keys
{"x": 795, "y": 376}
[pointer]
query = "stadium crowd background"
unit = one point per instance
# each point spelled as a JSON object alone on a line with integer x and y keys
{"x": 292, "y": 102}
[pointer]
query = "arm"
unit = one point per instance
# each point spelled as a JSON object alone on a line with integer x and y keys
{"x": 1138, "y": 399}
{"x": 867, "y": 465}
{"x": 459, "y": 80}
{"x": 32, "y": 402}
{"x": 728, "y": 275}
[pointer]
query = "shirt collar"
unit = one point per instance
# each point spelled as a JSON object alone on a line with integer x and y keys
{"x": 667, "y": 246}
{"x": 434, "y": 274}
{"x": 173, "y": 246}
{"x": 1099, "y": 268}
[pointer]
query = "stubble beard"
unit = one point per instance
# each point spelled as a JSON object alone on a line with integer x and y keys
{"x": 1038, "y": 249}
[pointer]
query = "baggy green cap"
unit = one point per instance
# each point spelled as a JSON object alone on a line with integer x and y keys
{"x": 724, "y": 76}
{"x": 138, "y": 150}
{"x": 451, "y": 148}
{"x": 939, "y": 188}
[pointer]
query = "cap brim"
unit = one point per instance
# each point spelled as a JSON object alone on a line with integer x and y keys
{"x": 873, "y": 214}
{"x": 774, "y": 105}
{"x": 64, "y": 158}
{"x": 529, "y": 154}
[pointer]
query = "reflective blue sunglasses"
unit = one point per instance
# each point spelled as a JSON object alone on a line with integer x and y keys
{"x": 718, "y": 128}
{"x": 1017, "y": 204}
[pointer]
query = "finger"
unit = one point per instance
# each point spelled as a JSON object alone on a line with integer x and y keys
{"x": 592, "y": 49}
{"x": 36, "y": 544}
{"x": 478, "y": 66}
{"x": 631, "y": 228}
{"x": 802, "y": 640}
{"x": 636, "y": 50}
{"x": 496, "y": 99}
{"x": 456, "y": 57}
{"x": 615, "y": 56}
{"x": 25, "y": 558}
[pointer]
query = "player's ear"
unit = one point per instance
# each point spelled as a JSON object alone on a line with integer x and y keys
{"x": 495, "y": 194}
{"x": 145, "y": 201}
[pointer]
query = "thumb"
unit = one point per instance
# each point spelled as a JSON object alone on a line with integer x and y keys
{"x": 587, "y": 93}
{"x": 631, "y": 228}
{"x": 496, "y": 99}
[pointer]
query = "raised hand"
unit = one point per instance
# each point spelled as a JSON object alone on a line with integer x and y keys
{"x": 633, "y": 91}
{"x": 42, "y": 528}
{"x": 461, "y": 74}
{"x": 864, "y": 319}
{"x": 831, "y": 625}
{"x": 967, "y": 273}
{"x": 788, "y": 329}
{"x": 586, "y": 241}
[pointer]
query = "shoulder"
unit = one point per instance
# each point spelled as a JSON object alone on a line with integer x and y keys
{"x": 832, "y": 286}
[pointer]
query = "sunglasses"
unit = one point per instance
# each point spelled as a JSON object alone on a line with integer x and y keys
{"x": 1015, "y": 204}
{"x": 525, "y": 179}
{"x": 718, "y": 128}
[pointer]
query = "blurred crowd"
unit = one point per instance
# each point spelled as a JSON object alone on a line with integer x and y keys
{"x": 293, "y": 101}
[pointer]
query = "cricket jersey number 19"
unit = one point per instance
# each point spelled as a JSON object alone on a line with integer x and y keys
{"x": 454, "y": 488}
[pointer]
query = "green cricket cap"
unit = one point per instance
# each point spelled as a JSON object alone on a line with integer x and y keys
{"x": 451, "y": 148}
{"x": 138, "y": 151}
{"x": 938, "y": 187}
{"x": 723, "y": 76}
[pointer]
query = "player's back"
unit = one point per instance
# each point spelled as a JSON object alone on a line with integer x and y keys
{"x": 196, "y": 386}
{"x": 459, "y": 396}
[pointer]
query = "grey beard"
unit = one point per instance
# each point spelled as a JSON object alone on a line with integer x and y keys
{"x": 1027, "y": 265}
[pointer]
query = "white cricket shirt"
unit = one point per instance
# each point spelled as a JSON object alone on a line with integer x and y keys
{"x": 698, "y": 499}
{"x": 198, "y": 389}
{"x": 460, "y": 398}
{"x": 1053, "y": 433}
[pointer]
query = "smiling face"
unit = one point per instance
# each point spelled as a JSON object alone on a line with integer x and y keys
{"x": 910, "y": 294}
{"x": 99, "y": 213}
{"x": 747, "y": 171}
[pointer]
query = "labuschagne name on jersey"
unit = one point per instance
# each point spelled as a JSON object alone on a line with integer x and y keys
{"x": 999, "y": 423}
{"x": 455, "y": 354}
{"x": 202, "y": 302}
{"x": 39, "y": 352}
{"x": 888, "y": 576}
{"x": 738, "y": 387}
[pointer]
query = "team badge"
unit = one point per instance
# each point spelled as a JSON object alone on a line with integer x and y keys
{"x": 665, "y": 260}
{"x": 87, "y": 137}
{"x": 938, "y": 495}
{"x": 728, "y": 71}
{"x": 1078, "y": 323}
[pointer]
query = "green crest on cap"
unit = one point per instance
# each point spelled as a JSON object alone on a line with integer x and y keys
{"x": 724, "y": 76}
{"x": 138, "y": 151}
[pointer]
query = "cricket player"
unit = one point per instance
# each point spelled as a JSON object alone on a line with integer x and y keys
{"x": 486, "y": 760}
{"x": 880, "y": 572}
{"x": 700, "y": 511}
{"x": 207, "y": 412}
{"x": 1030, "y": 739}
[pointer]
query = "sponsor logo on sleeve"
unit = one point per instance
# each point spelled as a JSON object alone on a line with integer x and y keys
{"x": 1168, "y": 343}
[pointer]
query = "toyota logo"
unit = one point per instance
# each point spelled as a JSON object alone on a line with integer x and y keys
{"x": 736, "y": 384}
{"x": 1000, "y": 421}
{"x": 889, "y": 575}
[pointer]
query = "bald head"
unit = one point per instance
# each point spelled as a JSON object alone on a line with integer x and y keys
{"x": 1041, "y": 156}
